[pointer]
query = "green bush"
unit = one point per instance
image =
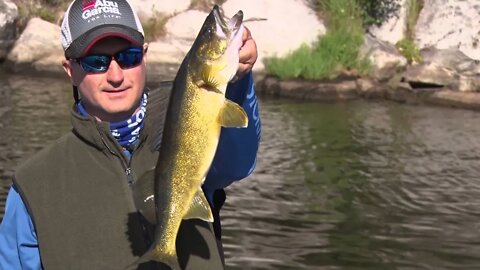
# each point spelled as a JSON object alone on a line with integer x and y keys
{"x": 373, "y": 12}
{"x": 333, "y": 53}
{"x": 292, "y": 66}
{"x": 376, "y": 12}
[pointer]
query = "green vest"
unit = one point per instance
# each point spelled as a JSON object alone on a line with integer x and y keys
{"x": 78, "y": 196}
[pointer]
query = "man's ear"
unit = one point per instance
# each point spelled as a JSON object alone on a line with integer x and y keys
{"x": 145, "y": 49}
{"x": 68, "y": 68}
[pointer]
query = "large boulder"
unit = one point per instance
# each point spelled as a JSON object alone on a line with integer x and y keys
{"x": 430, "y": 75}
{"x": 166, "y": 54}
{"x": 275, "y": 33}
{"x": 38, "y": 49}
{"x": 278, "y": 27}
{"x": 385, "y": 58}
{"x": 186, "y": 25}
{"x": 446, "y": 24}
{"x": 8, "y": 15}
{"x": 452, "y": 58}
{"x": 448, "y": 68}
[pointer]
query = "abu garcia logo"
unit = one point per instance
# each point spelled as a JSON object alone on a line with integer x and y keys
{"x": 93, "y": 8}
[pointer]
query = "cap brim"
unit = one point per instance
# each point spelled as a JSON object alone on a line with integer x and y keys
{"x": 83, "y": 43}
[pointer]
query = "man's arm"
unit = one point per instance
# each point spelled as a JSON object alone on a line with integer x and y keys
{"x": 236, "y": 154}
{"x": 18, "y": 241}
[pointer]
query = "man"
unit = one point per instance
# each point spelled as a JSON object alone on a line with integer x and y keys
{"x": 71, "y": 205}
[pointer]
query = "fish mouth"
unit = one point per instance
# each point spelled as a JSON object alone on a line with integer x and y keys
{"x": 228, "y": 28}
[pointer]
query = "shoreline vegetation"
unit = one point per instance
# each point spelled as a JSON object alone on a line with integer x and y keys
{"x": 333, "y": 69}
{"x": 337, "y": 52}
{"x": 334, "y": 53}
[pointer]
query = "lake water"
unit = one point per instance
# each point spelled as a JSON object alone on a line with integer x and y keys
{"x": 348, "y": 185}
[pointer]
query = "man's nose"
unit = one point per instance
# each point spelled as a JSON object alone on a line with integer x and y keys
{"x": 114, "y": 73}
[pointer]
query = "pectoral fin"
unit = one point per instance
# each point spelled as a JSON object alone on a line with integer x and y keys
{"x": 143, "y": 195}
{"x": 199, "y": 208}
{"x": 232, "y": 115}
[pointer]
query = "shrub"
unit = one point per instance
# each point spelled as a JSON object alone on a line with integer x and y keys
{"x": 376, "y": 12}
{"x": 373, "y": 12}
{"x": 333, "y": 53}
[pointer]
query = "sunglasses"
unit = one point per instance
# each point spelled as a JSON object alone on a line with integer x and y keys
{"x": 99, "y": 63}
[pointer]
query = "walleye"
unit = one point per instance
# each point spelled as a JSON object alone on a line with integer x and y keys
{"x": 196, "y": 112}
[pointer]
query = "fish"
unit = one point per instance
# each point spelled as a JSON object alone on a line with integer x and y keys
{"x": 196, "y": 112}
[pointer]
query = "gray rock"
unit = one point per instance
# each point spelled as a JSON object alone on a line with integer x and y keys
{"x": 455, "y": 69}
{"x": 468, "y": 83}
{"x": 38, "y": 49}
{"x": 386, "y": 59}
{"x": 430, "y": 75}
{"x": 453, "y": 59}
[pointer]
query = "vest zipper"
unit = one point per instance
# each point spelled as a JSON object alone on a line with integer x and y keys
{"x": 128, "y": 173}
{"x": 125, "y": 164}
{"x": 130, "y": 180}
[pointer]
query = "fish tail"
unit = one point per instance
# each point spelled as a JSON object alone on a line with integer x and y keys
{"x": 153, "y": 254}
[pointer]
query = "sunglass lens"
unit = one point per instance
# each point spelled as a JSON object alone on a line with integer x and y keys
{"x": 99, "y": 63}
{"x": 95, "y": 63}
{"x": 130, "y": 57}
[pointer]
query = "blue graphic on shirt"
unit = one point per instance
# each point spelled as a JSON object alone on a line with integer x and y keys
{"x": 127, "y": 131}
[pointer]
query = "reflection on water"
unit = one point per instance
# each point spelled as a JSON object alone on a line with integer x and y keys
{"x": 356, "y": 185}
{"x": 359, "y": 185}
{"x": 33, "y": 112}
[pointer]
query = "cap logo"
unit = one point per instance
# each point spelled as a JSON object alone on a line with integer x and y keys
{"x": 88, "y": 4}
{"x": 93, "y": 9}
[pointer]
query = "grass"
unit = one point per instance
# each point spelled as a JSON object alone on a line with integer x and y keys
{"x": 409, "y": 50}
{"x": 333, "y": 53}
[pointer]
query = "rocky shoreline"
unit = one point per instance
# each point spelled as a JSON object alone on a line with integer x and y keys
{"x": 346, "y": 89}
{"x": 449, "y": 74}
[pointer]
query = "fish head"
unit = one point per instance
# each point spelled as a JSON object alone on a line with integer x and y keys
{"x": 215, "y": 51}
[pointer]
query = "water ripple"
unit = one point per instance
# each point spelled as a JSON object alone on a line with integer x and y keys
{"x": 351, "y": 185}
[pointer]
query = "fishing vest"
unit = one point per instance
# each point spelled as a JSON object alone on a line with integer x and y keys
{"x": 78, "y": 195}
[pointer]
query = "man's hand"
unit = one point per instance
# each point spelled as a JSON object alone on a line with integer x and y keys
{"x": 248, "y": 55}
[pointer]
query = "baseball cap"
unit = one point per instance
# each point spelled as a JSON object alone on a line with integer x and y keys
{"x": 87, "y": 21}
